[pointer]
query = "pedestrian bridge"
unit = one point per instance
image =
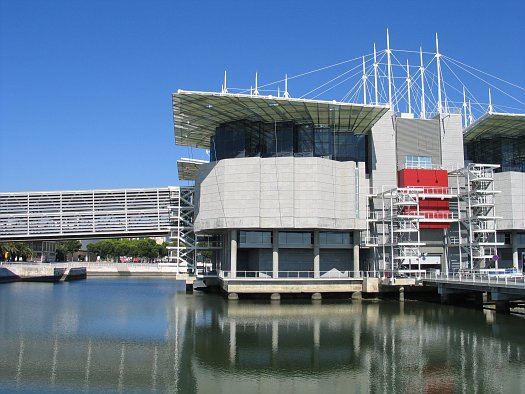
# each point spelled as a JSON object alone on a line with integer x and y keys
{"x": 99, "y": 213}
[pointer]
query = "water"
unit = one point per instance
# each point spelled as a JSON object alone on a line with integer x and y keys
{"x": 141, "y": 335}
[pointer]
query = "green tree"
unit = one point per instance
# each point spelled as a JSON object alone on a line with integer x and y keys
{"x": 65, "y": 248}
{"x": 162, "y": 249}
{"x": 13, "y": 250}
{"x": 94, "y": 248}
{"x": 147, "y": 248}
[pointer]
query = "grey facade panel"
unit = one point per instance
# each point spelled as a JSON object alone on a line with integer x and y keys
{"x": 284, "y": 192}
{"x": 452, "y": 154}
{"x": 382, "y": 156}
{"x": 417, "y": 137}
{"x": 510, "y": 202}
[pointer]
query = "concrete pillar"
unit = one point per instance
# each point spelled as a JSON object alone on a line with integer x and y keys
{"x": 233, "y": 253}
{"x": 514, "y": 240}
{"x": 357, "y": 240}
{"x": 275, "y": 254}
{"x": 444, "y": 260}
{"x": 275, "y": 297}
{"x": 317, "y": 267}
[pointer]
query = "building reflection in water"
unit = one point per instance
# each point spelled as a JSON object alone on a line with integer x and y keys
{"x": 289, "y": 347}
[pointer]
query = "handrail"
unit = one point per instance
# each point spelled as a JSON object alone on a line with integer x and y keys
{"x": 290, "y": 275}
{"x": 505, "y": 278}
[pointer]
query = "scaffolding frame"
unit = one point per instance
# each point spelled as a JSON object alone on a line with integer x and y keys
{"x": 394, "y": 218}
{"x": 477, "y": 227}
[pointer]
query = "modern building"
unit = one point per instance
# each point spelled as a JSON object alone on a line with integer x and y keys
{"x": 312, "y": 189}
{"x": 315, "y": 189}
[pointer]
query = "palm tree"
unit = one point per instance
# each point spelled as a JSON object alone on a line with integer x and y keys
{"x": 3, "y": 251}
{"x": 9, "y": 251}
{"x": 24, "y": 250}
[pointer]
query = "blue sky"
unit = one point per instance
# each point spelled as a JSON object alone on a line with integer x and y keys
{"x": 85, "y": 86}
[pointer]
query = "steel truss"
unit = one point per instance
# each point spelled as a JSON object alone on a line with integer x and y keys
{"x": 477, "y": 228}
{"x": 394, "y": 218}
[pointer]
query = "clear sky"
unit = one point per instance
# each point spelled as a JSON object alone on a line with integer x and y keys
{"x": 85, "y": 85}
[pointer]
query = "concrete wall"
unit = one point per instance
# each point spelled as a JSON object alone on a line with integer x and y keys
{"x": 413, "y": 137}
{"x": 417, "y": 137}
{"x": 510, "y": 203}
{"x": 452, "y": 152}
{"x": 284, "y": 192}
{"x": 383, "y": 154}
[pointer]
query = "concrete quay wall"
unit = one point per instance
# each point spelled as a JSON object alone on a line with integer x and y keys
{"x": 122, "y": 269}
{"x": 39, "y": 273}
{"x": 290, "y": 287}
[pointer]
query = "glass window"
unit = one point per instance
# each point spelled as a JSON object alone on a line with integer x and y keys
{"x": 509, "y": 153}
{"x": 335, "y": 238}
{"x": 323, "y": 142}
{"x": 279, "y": 139}
{"x": 295, "y": 238}
{"x": 418, "y": 162}
{"x": 255, "y": 237}
{"x": 228, "y": 142}
{"x": 247, "y": 139}
{"x": 304, "y": 140}
{"x": 503, "y": 237}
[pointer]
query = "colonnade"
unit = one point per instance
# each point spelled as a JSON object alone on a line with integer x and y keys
{"x": 275, "y": 254}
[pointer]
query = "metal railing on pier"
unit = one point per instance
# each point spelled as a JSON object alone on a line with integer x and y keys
{"x": 494, "y": 277}
{"x": 291, "y": 275}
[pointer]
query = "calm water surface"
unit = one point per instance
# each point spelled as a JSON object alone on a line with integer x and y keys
{"x": 140, "y": 335}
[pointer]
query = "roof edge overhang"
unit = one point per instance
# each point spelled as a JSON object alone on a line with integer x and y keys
{"x": 197, "y": 114}
{"x": 494, "y": 124}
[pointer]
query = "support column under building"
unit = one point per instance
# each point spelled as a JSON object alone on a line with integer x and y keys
{"x": 275, "y": 254}
{"x": 316, "y": 255}
{"x": 515, "y": 260}
{"x": 355, "y": 268}
{"x": 233, "y": 253}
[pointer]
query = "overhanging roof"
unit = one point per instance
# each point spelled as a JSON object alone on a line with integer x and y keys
{"x": 197, "y": 114}
{"x": 496, "y": 125}
{"x": 188, "y": 168}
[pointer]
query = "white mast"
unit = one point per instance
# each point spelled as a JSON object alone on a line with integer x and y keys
{"x": 224, "y": 86}
{"x": 470, "y": 118}
{"x": 438, "y": 62}
{"x": 465, "y": 119}
{"x": 286, "y": 95}
{"x": 256, "y": 91}
{"x": 491, "y": 108}
{"x": 422, "y": 70}
{"x": 364, "y": 81}
{"x": 375, "y": 72}
{"x": 409, "y": 81}
{"x": 389, "y": 70}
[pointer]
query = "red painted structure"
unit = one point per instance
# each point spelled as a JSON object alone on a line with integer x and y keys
{"x": 433, "y": 182}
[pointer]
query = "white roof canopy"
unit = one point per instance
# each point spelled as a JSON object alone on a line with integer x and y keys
{"x": 197, "y": 114}
{"x": 496, "y": 125}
